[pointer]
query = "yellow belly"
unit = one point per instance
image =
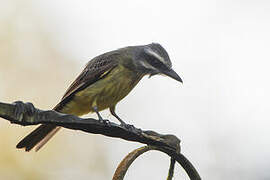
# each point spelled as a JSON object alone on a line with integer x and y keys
{"x": 104, "y": 93}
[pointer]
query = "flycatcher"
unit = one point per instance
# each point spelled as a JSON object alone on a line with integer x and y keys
{"x": 105, "y": 80}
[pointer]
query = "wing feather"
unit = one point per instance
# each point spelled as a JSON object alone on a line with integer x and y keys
{"x": 95, "y": 69}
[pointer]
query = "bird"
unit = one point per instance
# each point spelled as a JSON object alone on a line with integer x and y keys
{"x": 105, "y": 80}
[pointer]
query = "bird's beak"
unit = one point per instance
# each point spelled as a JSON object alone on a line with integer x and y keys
{"x": 171, "y": 73}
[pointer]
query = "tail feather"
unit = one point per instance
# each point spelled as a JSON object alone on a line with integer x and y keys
{"x": 38, "y": 137}
{"x": 47, "y": 138}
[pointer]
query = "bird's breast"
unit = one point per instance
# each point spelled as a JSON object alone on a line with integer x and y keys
{"x": 105, "y": 92}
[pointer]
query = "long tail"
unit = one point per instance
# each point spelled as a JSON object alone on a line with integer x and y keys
{"x": 38, "y": 137}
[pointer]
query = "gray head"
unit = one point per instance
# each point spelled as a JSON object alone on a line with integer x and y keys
{"x": 153, "y": 59}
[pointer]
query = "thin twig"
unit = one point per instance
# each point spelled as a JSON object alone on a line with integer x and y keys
{"x": 171, "y": 169}
{"x": 122, "y": 168}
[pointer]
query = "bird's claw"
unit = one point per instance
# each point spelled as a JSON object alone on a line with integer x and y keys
{"x": 21, "y": 108}
{"x": 130, "y": 127}
{"x": 105, "y": 122}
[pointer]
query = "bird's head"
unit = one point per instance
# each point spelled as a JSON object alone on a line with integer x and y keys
{"x": 153, "y": 59}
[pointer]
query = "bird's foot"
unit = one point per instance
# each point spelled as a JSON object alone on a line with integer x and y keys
{"x": 130, "y": 127}
{"x": 21, "y": 108}
{"x": 105, "y": 122}
{"x": 127, "y": 126}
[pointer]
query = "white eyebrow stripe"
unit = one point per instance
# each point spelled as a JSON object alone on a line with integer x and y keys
{"x": 150, "y": 51}
{"x": 147, "y": 65}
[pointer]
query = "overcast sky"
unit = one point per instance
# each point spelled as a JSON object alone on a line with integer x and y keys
{"x": 221, "y": 51}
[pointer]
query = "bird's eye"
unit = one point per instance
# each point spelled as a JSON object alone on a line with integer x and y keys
{"x": 155, "y": 62}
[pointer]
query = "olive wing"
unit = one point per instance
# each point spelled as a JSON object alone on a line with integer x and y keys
{"x": 95, "y": 70}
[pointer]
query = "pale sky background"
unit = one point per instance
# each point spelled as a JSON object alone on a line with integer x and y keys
{"x": 219, "y": 48}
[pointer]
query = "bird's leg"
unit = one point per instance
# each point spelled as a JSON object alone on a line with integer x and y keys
{"x": 112, "y": 110}
{"x": 96, "y": 111}
{"x": 123, "y": 124}
{"x": 106, "y": 122}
